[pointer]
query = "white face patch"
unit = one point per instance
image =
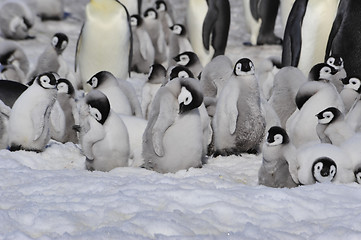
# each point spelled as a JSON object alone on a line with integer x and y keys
{"x": 317, "y": 173}
{"x": 63, "y": 45}
{"x": 177, "y": 29}
{"x": 54, "y": 41}
{"x": 358, "y": 177}
{"x": 62, "y": 87}
{"x": 152, "y": 15}
{"x": 354, "y": 84}
{"x": 325, "y": 73}
{"x": 45, "y": 82}
{"x": 327, "y": 118}
{"x": 185, "y": 96}
{"x": 133, "y": 21}
{"x": 278, "y": 138}
{"x": 239, "y": 71}
{"x": 95, "y": 113}
{"x": 331, "y": 61}
{"x": 183, "y": 74}
{"x": 161, "y": 7}
{"x": 183, "y": 60}
{"x": 94, "y": 82}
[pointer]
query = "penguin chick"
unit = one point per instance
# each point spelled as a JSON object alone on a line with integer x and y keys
{"x": 337, "y": 63}
{"x": 332, "y": 127}
{"x": 172, "y": 140}
{"x": 165, "y": 16}
{"x": 16, "y": 19}
{"x": 29, "y": 121}
{"x": 180, "y": 72}
{"x": 239, "y": 124}
{"x": 322, "y": 72}
{"x": 121, "y": 94}
{"x": 324, "y": 169}
{"x": 143, "y": 50}
{"x": 278, "y": 160}
{"x": 178, "y": 43}
{"x": 351, "y": 91}
{"x": 191, "y": 61}
{"x": 103, "y": 136}
{"x": 157, "y": 76}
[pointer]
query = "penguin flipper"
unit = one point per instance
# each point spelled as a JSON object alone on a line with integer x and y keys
{"x": 208, "y": 26}
{"x": 254, "y": 6}
{"x": 335, "y": 28}
{"x": 131, "y": 94}
{"x": 78, "y": 44}
{"x": 38, "y": 119}
{"x": 232, "y": 111}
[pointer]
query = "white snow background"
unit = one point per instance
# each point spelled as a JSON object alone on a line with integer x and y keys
{"x": 49, "y": 195}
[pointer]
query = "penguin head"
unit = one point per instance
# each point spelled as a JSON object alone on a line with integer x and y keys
{"x": 186, "y": 58}
{"x": 324, "y": 169}
{"x": 136, "y": 20}
{"x": 276, "y": 136}
{"x": 352, "y": 83}
{"x": 161, "y": 6}
{"x": 244, "y": 66}
{"x": 328, "y": 115}
{"x": 190, "y": 95}
{"x": 65, "y": 86}
{"x": 46, "y": 80}
{"x": 151, "y": 13}
{"x": 59, "y": 42}
{"x": 357, "y": 173}
{"x": 178, "y": 29}
{"x": 156, "y": 73}
{"x": 99, "y": 106}
{"x": 335, "y": 61}
{"x": 100, "y": 78}
{"x": 180, "y": 72}
{"x": 321, "y": 72}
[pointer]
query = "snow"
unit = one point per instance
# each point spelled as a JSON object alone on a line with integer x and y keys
{"x": 50, "y": 195}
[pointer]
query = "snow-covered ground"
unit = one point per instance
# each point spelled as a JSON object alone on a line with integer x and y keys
{"x": 49, "y": 195}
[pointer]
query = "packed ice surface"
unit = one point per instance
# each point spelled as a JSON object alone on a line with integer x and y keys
{"x": 50, "y": 195}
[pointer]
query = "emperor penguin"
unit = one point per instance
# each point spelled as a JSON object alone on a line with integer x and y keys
{"x": 189, "y": 60}
{"x": 143, "y": 50}
{"x": 332, "y": 127}
{"x": 103, "y": 136}
{"x": 16, "y": 19}
{"x": 238, "y": 124}
{"x": 279, "y": 160}
{"x": 50, "y": 9}
{"x": 312, "y": 97}
{"x": 261, "y": 19}
{"x": 351, "y": 92}
{"x": 29, "y": 120}
{"x": 324, "y": 162}
{"x": 337, "y": 63}
{"x": 306, "y": 33}
{"x": 155, "y": 31}
{"x": 178, "y": 42}
{"x": 165, "y": 16}
{"x": 180, "y": 72}
{"x": 121, "y": 94}
{"x": 172, "y": 140}
{"x": 196, "y": 13}
{"x": 286, "y": 84}
{"x": 105, "y": 41}
{"x": 216, "y": 26}
{"x": 156, "y": 78}
{"x": 343, "y": 39}
{"x": 13, "y": 61}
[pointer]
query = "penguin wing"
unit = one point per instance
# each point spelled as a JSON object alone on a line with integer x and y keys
{"x": 254, "y": 6}
{"x": 208, "y": 24}
{"x": 290, "y": 156}
{"x": 232, "y": 111}
{"x": 78, "y": 44}
{"x": 165, "y": 119}
{"x": 38, "y": 116}
{"x": 95, "y": 134}
{"x": 335, "y": 27}
{"x": 131, "y": 94}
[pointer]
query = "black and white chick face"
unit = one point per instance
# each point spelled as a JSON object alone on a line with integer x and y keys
{"x": 183, "y": 59}
{"x": 161, "y": 6}
{"x": 324, "y": 169}
{"x": 180, "y": 72}
{"x": 352, "y": 83}
{"x": 151, "y": 13}
{"x": 59, "y": 42}
{"x": 156, "y": 73}
{"x": 46, "y": 80}
{"x": 244, "y": 67}
{"x": 322, "y": 72}
{"x": 99, "y": 106}
{"x": 178, "y": 29}
{"x": 336, "y": 62}
{"x": 65, "y": 86}
{"x": 190, "y": 95}
{"x": 328, "y": 115}
{"x": 99, "y": 78}
{"x": 135, "y": 20}
{"x": 277, "y": 136}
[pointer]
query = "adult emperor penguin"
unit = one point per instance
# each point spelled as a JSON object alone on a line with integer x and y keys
{"x": 103, "y": 136}
{"x": 14, "y": 61}
{"x": 332, "y": 127}
{"x": 156, "y": 77}
{"x": 121, "y": 94}
{"x": 189, "y": 60}
{"x": 216, "y": 26}
{"x": 238, "y": 123}
{"x": 351, "y": 92}
{"x": 345, "y": 35}
{"x": 178, "y": 42}
{"x": 172, "y": 140}
{"x": 306, "y": 34}
{"x": 16, "y": 19}
{"x": 196, "y": 13}
{"x": 324, "y": 162}
{"x": 278, "y": 160}
{"x": 105, "y": 41}
{"x": 261, "y": 19}
{"x": 143, "y": 50}
{"x": 29, "y": 120}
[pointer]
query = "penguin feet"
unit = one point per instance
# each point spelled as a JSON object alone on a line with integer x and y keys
{"x": 269, "y": 39}
{"x": 226, "y": 152}
{"x": 89, "y": 164}
{"x": 14, "y": 148}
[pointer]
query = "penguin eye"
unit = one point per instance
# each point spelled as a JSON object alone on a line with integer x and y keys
{"x": 185, "y": 96}
{"x": 319, "y": 166}
{"x": 54, "y": 41}
{"x": 95, "y": 113}
{"x": 94, "y": 82}
{"x": 333, "y": 170}
{"x": 328, "y": 115}
{"x": 44, "y": 79}
{"x": 183, "y": 74}
{"x": 64, "y": 44}
{"x": 331, "y": 61}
